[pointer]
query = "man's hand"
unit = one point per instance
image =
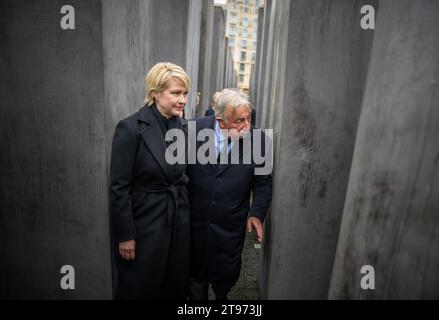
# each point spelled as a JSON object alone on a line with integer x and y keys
{"x": 127, "y": 249}
{"x": 256, "y": 223}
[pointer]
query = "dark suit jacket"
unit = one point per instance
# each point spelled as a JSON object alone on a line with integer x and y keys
{"x": 220, "y": 206}
{"x": 209, "y": 111}
{"x": 149, "y": 203}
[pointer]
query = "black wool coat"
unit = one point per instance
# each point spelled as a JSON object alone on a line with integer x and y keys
{"x": 220, "y": 206}
{"x": 149, "y": 203}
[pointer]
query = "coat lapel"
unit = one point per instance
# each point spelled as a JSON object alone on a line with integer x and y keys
{"x": 153, "y": 137}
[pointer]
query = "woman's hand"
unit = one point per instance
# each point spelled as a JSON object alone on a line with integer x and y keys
{"x": 127, "y": 249}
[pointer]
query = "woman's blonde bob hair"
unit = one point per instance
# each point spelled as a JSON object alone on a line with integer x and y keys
{"x": 157, "y": 79}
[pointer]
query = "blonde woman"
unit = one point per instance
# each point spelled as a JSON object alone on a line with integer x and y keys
{"x": 149, "y": 200}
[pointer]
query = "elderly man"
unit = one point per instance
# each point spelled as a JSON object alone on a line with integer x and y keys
{"x": 220, "y": 200}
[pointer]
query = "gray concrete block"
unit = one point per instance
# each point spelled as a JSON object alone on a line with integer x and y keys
{"x": 62, "y": 93}
{"x": 218, "y": 52}
{"x": 192, "y": 51}
{"x": 256, "y": 74}
{"x": 314, "y": 114}
{"x": 205, "y": 55}
{"x": 54, "y": 163}
{"x": 390, "y": 218}
{"x": 262, "y": 51}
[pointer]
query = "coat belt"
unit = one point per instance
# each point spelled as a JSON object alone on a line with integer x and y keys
{"x": 172, "y": 198}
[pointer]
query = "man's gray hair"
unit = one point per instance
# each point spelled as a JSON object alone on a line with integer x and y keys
{"x": 232, "y": 98}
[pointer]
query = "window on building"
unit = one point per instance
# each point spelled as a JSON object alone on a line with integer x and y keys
{"x": 242, "y": 67}
{"x": 244, "y": 43}
{"x": 244, "y": 33}
{"x": 231, "y": 42}
{"x": 246, "y": 10}
{"x": 233, "y": 18}
{"x": 241, "y": 78}
{"x": 243, "y": 55}
{"x": 245, "y": 22}
{"x": 233, "y": 29}
{"x": 255, "y": 45}
{"x": 254, "y": 56}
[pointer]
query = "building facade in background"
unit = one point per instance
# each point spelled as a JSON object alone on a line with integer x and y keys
{"x": 242, "y": 28}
